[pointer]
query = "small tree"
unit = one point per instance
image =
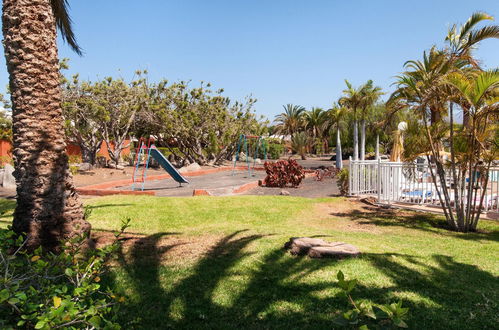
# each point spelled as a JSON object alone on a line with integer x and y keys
{"x": 83, "y": 117}
{"x": 120, "y": 102}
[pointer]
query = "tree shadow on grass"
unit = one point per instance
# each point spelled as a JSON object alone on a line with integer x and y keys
{"x": 93, "y": 207}
{"x": 231, "y": 287}
{"x": 420, "y": 221}
{"x": 440, "y": 292}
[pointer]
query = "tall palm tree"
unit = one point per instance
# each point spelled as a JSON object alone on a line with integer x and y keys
{"x": 291, "y": 120}
{"x": 48, "y": 208}
{"x": 479, "y": 93}
{"x": 352, "y": 99}
{"x": 315, "y": 122}
{"x": 337, "y": 120}
{"x": 370, "y": 95}
{"x": 463, "y": 40}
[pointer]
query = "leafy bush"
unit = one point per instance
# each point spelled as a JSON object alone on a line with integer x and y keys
{"x": 275, "y": 150}
{"x": 46, "y": 290}
{"x": 365, "y": 314}
{"x": 283, "y": 173}
{"x": 74, "y": 159}
{"x": 343, "y": 179}
{"x": 6, "y": 160}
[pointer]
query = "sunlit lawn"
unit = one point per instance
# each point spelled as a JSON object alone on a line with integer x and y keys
{"x": 218, "y": 262}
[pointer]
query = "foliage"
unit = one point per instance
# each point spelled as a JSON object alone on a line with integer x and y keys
{"x": 322, "y": 172}
{"x": 74, "y": 159}
{"x": 6, "y": 160}
{"x": 432, "y": 87}
{"x": 46, "y": 290}
{"x": 202, "y": 125}
{"x": 364, "y": 315}
{"x": 291, "y": 120}
{"x": 275, "y": 150}
{"x": 299, "y": 144}
{"x": 84, "y": 116}
{"x": 283, "y": 173}
{"x": 5, "y": 124}
{"x": 343, "y": 181}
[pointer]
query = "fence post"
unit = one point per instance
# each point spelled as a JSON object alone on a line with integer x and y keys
{"x": 378, "y": 185}
{"x": 350, "y": 176}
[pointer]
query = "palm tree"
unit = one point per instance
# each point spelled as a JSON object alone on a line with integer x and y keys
{"x": 479, "y": 93}
{"x": 315, "y": 121}
{"x": 336, "y": 119}
{"x": 462, "y": 41}
{"x": 353, "y": 100}
{"x": 370, "y": 95}
{"x": 291, "y": 120}
{"x": 48, "y": 208}
{"x": 299, "y": 143}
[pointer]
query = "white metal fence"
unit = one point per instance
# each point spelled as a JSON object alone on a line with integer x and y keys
{"x": 393, "y": 182}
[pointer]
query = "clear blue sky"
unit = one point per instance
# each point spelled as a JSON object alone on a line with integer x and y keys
{"x": 279, "y": 51}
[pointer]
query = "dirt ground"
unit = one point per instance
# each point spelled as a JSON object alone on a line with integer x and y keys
{"x": 309, "y": 187}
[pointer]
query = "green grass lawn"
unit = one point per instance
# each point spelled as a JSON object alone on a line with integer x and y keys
{"x": 218, "y": 262}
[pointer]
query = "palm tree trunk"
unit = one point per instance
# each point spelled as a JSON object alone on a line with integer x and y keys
{"x": 355, "y": 140}
{"x": 48, "y": 208}
{"x": 362, "y": 139}
{"x": 377, "y": 147}
{"x": 339, "y": 160}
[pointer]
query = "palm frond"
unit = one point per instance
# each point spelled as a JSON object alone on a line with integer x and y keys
{"x": 64, "y": 23}
{"x": 474, "y": 19}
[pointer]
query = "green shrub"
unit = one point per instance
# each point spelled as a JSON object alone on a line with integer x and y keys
{"x": 167, "y": 152}
{"x": 74, "y": 159}
{"x": 73, "y": 169}
{"x": 6, "y": 160}
{"x": 343, "y": 181}
{"x": 43, "y": 290}
{"x": 366, "y": 315}
{"x": 275, "y": 150}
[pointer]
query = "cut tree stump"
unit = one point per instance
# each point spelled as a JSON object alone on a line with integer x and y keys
{"x": 319, "y": 248}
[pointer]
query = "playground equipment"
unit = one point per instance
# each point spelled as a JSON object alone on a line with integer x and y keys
{"x": 243, "y": 143}
{"x": 150, "y": 150}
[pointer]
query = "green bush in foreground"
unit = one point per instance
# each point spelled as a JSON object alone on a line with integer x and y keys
{"x": 365, "y": 315}
{"x": 45, "y": 290}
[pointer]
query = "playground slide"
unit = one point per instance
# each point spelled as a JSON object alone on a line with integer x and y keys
{"x": 167, "y": 166}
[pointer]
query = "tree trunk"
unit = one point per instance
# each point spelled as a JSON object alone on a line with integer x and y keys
{"x": 88, "y": 154}
{"x": 355, "y": 140}
{"x": 377, "y": 147}
{"x": 435, "y": 115}
{"x": 339, "y": 160}
{"x": 48, "y": 208}
{"x": 466, "y": 117}
{"x": 362, "y": 139}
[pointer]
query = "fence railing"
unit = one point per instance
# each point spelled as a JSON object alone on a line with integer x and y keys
{"x": 393, "y": 182}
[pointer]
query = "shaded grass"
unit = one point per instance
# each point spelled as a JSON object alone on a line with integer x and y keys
{"x": 244, "y": 279}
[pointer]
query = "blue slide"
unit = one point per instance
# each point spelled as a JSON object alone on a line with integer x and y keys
{"x": 158, "y": 156}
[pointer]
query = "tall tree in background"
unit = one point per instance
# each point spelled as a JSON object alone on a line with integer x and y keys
{"x": 291, "y": 120}
{"x": 315, "y": 121}
{"x": 48, "y": 208}
{"x": 369, "y": 95}
{"x": 352, "y": 99}
{"x": 336, "y": 122}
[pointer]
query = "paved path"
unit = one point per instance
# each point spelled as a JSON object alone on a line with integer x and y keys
{"x": 222, "y": 181}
